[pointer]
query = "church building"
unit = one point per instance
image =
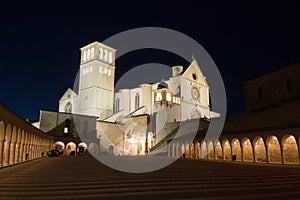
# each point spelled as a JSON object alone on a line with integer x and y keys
{"x": 132, "y": 120}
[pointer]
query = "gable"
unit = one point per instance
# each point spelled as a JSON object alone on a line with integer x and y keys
{"x": 69, "y": 94}
{"x": 194, "y": 73}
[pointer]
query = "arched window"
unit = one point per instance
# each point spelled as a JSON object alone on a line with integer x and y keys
{"x": 260, "y": 93}
{"x": 137, "y": 101}
{"x": 158, "y": 96}
{"x": 100, "y": 53}
{"x": 84, "y": 56}
{"x": 68, "y": 107}
{"x": 110, "y": 58}
{"x": 88, "y": 54}
{"x": 288, "y": 85}
{"x": 168, "y": 97}
{"x": 117, "y": 109}
{"x": 105, "y": 56}
{"x": 92, "y": 53}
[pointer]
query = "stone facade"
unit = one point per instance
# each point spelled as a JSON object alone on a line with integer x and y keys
{"x": 184, "y": 96}
{"x": 267, "y": 133}
{"x": 273, "y": 88}
{"x": 19, "y": 140}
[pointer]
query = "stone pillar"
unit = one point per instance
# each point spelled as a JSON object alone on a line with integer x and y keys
{"x": 21, "y": 156}
{"x": 1, "y": 152}
{"x": 29, "y": 146}
{"x": 253, "y": 151}
{"x": 6, "y": 152}
{"x": 17, "y": 153}
{"x": 12, "y": 153}
{"x": 281, "y": 152}
{"x": 25, "y": 151}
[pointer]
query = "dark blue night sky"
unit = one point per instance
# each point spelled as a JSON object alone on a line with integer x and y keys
{"x": 39, "y": 55}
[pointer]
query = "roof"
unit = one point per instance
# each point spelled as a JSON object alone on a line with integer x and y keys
{"x": 272, "y": 70}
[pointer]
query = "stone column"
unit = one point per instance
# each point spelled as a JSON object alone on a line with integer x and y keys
{"x": 21, "y": 156}
{"x": 17, "y": 153}
{"x": 25, "y": 151}
{"x": 6, "y": 152}
{"x": 12, "y": 153}
{"x": 1, "y": 152}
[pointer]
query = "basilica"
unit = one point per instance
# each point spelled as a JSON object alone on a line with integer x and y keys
{"x": 132, "y": 120}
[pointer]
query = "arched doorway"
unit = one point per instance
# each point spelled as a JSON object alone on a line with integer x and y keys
{"x": 192, "y": 150}
{"x": 111, "y": 150}
{"x": 226, "y": 149}
{"x": 81, "y": 149}
{"x": 187, "y": 150}
{"x": 247, "y": 150}
{"x": 197, "y": 151}
{"x": 70, "y": 149}
{"x": 210, "y": 150}
{"x": 203, "y": 150}
{"x": 274, "y": 150}
{"x": 236, "y": 149}
{"x": 93, "y": 149}
{"x": 218, "y": 151}
{"x": 150, "y": 141}
{"x": 259, "y": 150}
{"x": 290, "y": 150}
{"x": 60, "y": 146}
{"x": 178, "y": 150}
{"x": 182, "y": 151}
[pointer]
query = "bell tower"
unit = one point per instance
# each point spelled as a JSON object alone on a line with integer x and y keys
{"x": 96, "y": 82}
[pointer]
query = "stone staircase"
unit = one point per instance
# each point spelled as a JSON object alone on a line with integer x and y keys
{"x": 86, "y": 178}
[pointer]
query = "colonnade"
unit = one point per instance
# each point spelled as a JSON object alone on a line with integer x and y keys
{"x": 18, "y": 145}
{"x": 259, "y": 149}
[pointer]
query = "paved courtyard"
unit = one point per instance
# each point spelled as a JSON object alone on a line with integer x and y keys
{"x": 86, "y": 178}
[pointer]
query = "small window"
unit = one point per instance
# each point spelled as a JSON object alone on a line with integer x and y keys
{"x": 260, "y": 93}
{"x": 168, "y": 97}
{"x": 288, "y": 85}
{"x": 93, "y": 53}
{"x": 194, "y": 76}
{"x": 84, "y": 56}
{"x": 158, "y": 97}
{"x": 105, "y": 56}
{"x": 137, "y": 101}
{"x": 104, "y": 71}
{"x": 66, "y": 130}
{"x": 117, "y": 105}
{"x": 88, "y": 54}
{"x": 100, "y": 53}
{"x": 67, "y": 126}
{"x": 110, "y": 59}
